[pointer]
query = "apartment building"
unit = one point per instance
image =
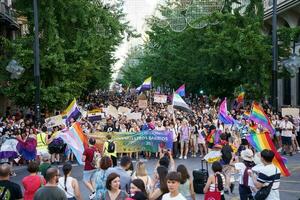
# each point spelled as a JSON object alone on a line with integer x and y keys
{"x": 288, "y": 16}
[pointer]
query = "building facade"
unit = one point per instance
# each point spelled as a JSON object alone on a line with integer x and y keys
{"x": 288, "y": 16}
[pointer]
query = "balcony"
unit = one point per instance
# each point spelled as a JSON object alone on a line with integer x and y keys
{"x": 8, "y": 15}
{"x": 282, "y": 5}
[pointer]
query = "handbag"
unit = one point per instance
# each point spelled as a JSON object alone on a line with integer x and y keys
{"x": 214, "y": 195}
{"x": 264, "y": 192}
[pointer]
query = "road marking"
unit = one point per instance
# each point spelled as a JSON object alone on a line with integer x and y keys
{"x": 291, "y": 191}
{"x": 288, "y": 181}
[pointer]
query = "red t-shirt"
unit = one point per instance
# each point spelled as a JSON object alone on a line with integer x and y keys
{"x": 89, "y": 155}
{"x": 31, "y": 185}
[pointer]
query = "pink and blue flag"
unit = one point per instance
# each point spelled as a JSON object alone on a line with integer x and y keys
{"x": 181, "y": 90}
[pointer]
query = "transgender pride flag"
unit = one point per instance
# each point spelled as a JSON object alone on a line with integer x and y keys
{"x": 181, "y": 90}
{"x": 75, "y": 139}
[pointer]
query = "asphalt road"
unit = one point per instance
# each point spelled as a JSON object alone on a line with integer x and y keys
{"x": 289, "y": 186}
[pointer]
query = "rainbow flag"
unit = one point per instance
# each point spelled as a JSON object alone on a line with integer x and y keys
{"x": 223, "y": 114}
{"x": 261, "y": 141}
{"x": 181, "y": 90}
{"x": 241, "y": 96}
{"x": 259, "y": 116}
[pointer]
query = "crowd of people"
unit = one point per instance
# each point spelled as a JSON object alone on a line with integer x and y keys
{"x": 107, "y": 180}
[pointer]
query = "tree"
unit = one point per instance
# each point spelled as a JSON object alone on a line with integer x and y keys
{"x": 229, "y": 52}
{"x": 77, "y": 41}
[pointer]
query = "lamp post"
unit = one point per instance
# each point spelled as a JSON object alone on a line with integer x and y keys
{"x": 275, "y": 58}
{"x": 36, "y": 62}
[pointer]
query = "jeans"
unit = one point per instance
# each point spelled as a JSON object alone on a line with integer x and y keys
{"x": 245, "y": 192}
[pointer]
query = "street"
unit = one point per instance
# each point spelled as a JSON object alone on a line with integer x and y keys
{"x": 289, "y": 186}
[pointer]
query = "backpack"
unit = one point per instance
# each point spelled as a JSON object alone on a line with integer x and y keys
{"x": 111, "y": 147}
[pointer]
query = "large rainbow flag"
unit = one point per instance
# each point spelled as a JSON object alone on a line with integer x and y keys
{"x": 261, "y": 141}
{"x": 259, "y": 116}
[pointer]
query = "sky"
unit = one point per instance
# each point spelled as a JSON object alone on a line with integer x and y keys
{"x": 136, "y": 13}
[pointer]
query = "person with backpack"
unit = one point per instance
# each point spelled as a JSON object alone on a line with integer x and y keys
{"x": 89, "y": 169}
{"x": 109, "y": 149}
{"x": 243, "y": 168}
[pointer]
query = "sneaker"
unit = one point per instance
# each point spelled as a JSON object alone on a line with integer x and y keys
{"x": 291, "y": 154}
{"x": 200, "y": 156}
{"x": 185, "y": 157}
{"x": 92, "y": 196}
{"x": 180, "y": 157}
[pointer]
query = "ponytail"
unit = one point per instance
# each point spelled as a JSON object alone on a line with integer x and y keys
{"x": 220, "y": 182}
{"x": 66, "y": 169}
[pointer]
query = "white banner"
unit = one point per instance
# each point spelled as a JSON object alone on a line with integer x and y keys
{"x": 159, "y": 98}
{"x": 54, "y": 121}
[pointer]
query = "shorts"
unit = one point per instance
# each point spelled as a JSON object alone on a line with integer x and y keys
{"x": 194, "y": 139}
{"x": 286, "y": 140}
{"x": 88, "y": 175}
{"x": 41, "y": 152}
{"x": 182, "y": 142}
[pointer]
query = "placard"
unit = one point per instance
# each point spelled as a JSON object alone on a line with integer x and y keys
{"x": 135, "y": 116}
{"x": 123, "y": 110}
{"x": 54, "y": 121}
{"x": 160, "y": 98}
{"x": 170, "y": 109}
{"x": 143, "y": 103}
{"x": 290, "y": 111}
{"x": 111, "y": 110}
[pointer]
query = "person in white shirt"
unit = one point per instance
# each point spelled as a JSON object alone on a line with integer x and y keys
{"x": 267, "y": 174}
{"x": 173, "y": 183}
{"x": 286, "y": 135}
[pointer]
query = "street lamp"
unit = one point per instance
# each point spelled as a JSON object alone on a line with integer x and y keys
{"x": 36, "y": 62}
{"x": 275, "y": 58}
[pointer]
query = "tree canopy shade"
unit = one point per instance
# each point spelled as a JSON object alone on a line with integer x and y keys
{"x": 77, "y": 41}
{"x": 219, "y": 58}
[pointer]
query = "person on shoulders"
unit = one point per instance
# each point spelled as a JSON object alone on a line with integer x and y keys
{"x": 50, "y": 191}
{"x": 173, "y": 183}
{"x": 267, "y": 174}
{"x": 8, "y": 190}
{"x": 69, "y": 184}
{"x": 32, "y": 182}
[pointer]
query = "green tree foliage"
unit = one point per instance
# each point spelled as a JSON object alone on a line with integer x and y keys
{"x": 77, "y": 41}
{"x": 218, "y": 58}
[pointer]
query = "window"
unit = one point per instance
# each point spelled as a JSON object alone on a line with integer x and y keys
{"x": 286, "y": 91}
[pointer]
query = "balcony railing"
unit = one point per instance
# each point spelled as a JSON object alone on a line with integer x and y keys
{"x": 281, "y": 6}
{"x": 7, "y": 13}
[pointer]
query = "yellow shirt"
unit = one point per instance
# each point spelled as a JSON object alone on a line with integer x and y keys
{"x": 41, "y": 141}
{"x": 114, "y": 154}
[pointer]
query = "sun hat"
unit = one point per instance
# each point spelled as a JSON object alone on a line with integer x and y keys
{"x": 247, "y": 155}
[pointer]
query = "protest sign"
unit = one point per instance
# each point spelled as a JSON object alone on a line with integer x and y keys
{"x": 123, "y": 110}
{"x": 290, "y": 111}
{"x": 111, "y": 110}
{"x": 170, "y": 109}
{"x": 54, "y": 121}
{"x": 159, "y": 98}
{"x": 135, "y": 116}
{"x": 143, "y": 103}
{"x": 136, "y": 141}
